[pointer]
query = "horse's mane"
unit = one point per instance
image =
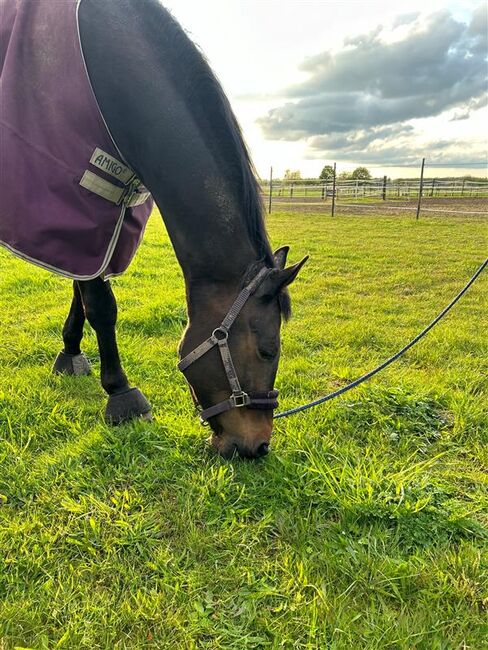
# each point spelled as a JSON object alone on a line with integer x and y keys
{"x": 211, "y": 109}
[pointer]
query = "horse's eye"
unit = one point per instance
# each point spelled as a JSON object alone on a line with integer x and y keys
{"x": 268, "y": 345}
{"x": 268, "y": 355}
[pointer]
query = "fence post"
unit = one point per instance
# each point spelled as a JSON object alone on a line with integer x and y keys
{"x": 333, "y": 191}
{"x": 270, "y": 188}
{"x": 384, "y": 188}
{"x": 323, "y": 192}
{"x": 433, "y": 187}
{"x": 462, "y": 188}
{"x": 421, "y": 184}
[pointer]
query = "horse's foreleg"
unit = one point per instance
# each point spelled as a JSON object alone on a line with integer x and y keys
{"x": 71, "y": 361}
{"x": 124, "y": 403}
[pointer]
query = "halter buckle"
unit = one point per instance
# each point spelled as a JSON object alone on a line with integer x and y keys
{"x": 240, "y": 399}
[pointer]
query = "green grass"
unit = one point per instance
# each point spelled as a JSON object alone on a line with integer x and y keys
{"x": 364, "y": 528}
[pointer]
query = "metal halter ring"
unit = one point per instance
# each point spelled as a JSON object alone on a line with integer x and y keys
{"x": 220, "y": 334}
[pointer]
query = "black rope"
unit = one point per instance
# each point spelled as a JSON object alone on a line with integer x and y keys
{"x": 371, "y": 373}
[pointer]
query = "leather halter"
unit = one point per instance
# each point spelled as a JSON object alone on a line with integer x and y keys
{"x": 220, "y": 335}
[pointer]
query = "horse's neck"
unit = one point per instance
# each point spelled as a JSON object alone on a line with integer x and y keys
{"x": 153, "y": 125}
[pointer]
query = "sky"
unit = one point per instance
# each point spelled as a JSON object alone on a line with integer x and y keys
{"x": 374, "y": 83}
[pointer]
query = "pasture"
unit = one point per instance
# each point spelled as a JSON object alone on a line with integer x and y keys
{"x": 363, "y": 528}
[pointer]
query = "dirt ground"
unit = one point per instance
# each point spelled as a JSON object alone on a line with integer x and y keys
{"x": 430, "y": 206}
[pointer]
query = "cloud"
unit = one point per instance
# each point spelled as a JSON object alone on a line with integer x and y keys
{"x": 472, "y": 105}
{"x": 478, "y": 28}
{"x": 363, "y": 95}
{"x": 395, "y": 144}
{"x": 405, "y": 19}
{"x": 357, "y": 140}
{"x": 403, "y": 151}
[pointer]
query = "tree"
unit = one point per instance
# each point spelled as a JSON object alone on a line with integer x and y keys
{"x": 292, "y": 175}
{"x": 327, "y": 173}
{"x": 344, "y": 176}
{"x": 361, "y": 174}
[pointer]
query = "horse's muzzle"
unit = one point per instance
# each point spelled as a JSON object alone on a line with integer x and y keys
{"x": 232, "y": 448}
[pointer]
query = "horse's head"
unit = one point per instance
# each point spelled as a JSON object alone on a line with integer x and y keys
{"x": 252, "y": 341}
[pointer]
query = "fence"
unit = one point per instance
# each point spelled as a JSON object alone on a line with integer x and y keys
{"x": 380, "y": 192}
{"x": 378, "y": 188}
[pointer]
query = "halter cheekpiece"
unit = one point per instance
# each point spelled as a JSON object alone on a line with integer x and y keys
{"x": 238, "y": 398}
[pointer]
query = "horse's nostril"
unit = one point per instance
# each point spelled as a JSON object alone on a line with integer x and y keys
{"x": 262, "y": 450}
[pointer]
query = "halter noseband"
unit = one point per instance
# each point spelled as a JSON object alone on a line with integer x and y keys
{"x": 238, "y": 398}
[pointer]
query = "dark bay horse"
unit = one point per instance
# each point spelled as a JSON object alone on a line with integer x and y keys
{"x": 174, "y": 126}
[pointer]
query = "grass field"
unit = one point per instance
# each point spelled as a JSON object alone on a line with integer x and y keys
{"x": 364, "y": 528}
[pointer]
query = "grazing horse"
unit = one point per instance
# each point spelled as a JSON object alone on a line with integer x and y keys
{"x": 174, "y": 127}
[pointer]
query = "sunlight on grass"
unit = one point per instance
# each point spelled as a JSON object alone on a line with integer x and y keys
{"x": 364, "y": 528}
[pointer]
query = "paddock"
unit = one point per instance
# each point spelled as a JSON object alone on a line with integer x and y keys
{"x": 362, "y": 528}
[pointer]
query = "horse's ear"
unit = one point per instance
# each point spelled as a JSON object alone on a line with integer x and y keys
{"x": 287, "y": 276}
{"x": 280, "y": 278}
{"x": 280, "y": 256}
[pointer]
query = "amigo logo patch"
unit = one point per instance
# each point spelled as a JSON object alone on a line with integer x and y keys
{"x": 111, "y": 166}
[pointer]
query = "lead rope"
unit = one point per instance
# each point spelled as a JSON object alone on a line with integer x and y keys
{"x": 371, "y": 373}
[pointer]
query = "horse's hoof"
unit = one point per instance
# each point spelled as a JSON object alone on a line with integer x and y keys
{"x": 72, "y": 364}
{"x": 122, "y": 407}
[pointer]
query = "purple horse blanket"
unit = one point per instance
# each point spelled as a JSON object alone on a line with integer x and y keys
{"x": 68, "y": 200}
